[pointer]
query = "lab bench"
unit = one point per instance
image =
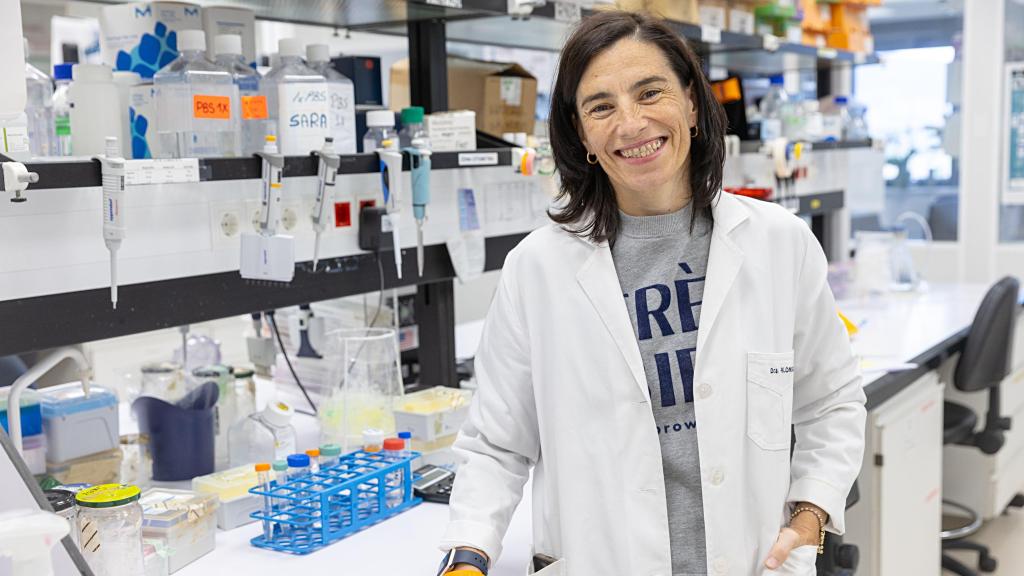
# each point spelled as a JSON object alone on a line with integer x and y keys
{"x": 902, "y": 467}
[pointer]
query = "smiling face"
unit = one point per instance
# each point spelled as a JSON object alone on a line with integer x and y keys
{"x": 636, "y": 116}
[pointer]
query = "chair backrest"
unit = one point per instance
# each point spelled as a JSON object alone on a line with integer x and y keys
{"x": 985, "y": 361}
{"x": 942, "y": 217}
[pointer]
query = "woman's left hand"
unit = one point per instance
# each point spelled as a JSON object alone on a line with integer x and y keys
{"x": 802, "y": 531}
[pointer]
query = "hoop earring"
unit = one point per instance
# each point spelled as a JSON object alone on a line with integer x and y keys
{"x": 694, "y": 131}
{"x": 591, "y": 162}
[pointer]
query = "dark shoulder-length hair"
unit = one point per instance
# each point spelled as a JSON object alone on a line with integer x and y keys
{"x": 587, "y": 205}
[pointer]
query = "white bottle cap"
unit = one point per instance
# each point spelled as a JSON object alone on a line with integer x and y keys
{"x": 373, "y": 437}
{"x": 289, "y": 47}
{"x": 278, "y": 413}
{"x": 380, "y": 119}
{"x": 318, "y": 53}
{"x": 227, "y": 44}
{"x": 191, "y": 40}
{"x": 127, "y": 78}
{"x": 92, "y": 73}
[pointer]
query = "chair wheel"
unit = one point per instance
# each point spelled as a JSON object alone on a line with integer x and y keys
{"x": 987, "y": 564}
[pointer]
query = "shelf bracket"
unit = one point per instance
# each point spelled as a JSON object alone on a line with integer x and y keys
{"x": 428, "y": 65}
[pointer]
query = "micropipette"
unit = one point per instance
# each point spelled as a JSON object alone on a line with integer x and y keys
{"x": 391, "y": 182}
{"x": 267, "y": 255}
{"x": 112, "y": 166}
{"x": 419, "y": 161}
{"x": 270, "y": 203}
{"x": 327, "y": 172}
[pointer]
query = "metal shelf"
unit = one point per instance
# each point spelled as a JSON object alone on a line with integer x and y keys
{"x": 84, "y": 316}
{"x": 359, "y": 14}
{"x": 86, "y": 173}
{"x": 744, "y": 53}
{"x": 754, "y": 146}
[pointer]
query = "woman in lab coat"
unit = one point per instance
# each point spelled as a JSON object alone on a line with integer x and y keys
{"x": 648, "y": 462}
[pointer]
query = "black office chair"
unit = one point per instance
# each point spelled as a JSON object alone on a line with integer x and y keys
{"x": 983, "y": 365}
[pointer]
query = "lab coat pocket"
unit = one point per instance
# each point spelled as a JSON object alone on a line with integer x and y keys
{"x": 801, "y": 562}
{"x": 557, "y": 568}
{"x": 770, "y": 399}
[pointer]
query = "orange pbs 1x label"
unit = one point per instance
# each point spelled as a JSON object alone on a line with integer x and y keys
{"x": 211, "y": 107}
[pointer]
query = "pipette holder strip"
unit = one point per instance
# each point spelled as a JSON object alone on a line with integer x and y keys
{"x": 313, "y": 511}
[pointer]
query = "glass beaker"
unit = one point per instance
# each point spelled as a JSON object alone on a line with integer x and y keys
{"x": 366, "y": 377}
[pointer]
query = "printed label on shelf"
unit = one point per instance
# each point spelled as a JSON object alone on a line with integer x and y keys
{"x": 161, "y": 171}
{"x": 827, "y": 53}
{"x": 254, "y": 107}
{"x": 478, "y": 159}
{"x": 771, "y": 42}
{"x": 567, "y": 12}
{"x": 446, "y": 3}
{"x": 710, "y": 34}
{"x": 214, "y": 107}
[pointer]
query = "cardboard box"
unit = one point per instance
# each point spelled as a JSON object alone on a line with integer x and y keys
{"x": 136, "y": 37}
{"x": 503, "y": 95}
{"x": 142, "y": 123}
{"x": 235, "y": 20}
{"x": 678, "y": 10}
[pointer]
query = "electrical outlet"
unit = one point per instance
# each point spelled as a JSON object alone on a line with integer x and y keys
{"x": 289, "y": 218}
{"x": 226, "y": 224}
{"x": 229, "y": 224}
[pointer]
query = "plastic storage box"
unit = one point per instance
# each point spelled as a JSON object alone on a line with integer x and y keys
{"x": 186, "y": 522}
{"x": 77, "y": 425}
{"x": 232, "y": 488}
{"x": 102, "y": 468}
{"x": 433, "y": 413}
{"x": 31, "y": 419}
{"x": 34, "y": 453}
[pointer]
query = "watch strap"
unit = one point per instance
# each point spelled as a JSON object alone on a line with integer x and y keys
{"x": 464, "y": 556}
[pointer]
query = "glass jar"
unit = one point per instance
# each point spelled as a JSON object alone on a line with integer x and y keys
{"x": 63, "y": 504}
{"x": 110, "y": 529}
{"x": 245, "y": 391}
{"x": 162, "y": 380}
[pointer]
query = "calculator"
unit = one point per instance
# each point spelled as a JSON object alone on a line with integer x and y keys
{"x": 433, "y": 484}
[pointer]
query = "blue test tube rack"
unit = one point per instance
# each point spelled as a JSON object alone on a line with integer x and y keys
{"x": 318, "y": 509}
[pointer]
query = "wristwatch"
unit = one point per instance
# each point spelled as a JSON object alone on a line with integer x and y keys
{"x": 463, "y": 556}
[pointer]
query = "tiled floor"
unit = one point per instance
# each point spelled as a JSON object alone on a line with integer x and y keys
{"x": 1005, "y": 538}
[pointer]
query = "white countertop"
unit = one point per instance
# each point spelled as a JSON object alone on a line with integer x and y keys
{"x": 405, "y": 545}
{"x": 902, "y": 326}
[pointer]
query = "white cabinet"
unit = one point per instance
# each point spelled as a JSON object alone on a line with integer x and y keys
{"x": 897, "y": 521}
{"x": 985, "y": 483}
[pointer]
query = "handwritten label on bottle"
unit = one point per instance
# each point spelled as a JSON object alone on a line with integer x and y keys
{"x": 254, "y": 107}
{"x": 302, "y": 115}
{"x": 211, "y": 107}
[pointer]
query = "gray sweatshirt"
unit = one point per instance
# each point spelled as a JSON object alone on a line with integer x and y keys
{"x": 661, "y": 266}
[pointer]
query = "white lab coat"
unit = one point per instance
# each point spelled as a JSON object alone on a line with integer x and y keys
{"x": 562, "y": 389}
